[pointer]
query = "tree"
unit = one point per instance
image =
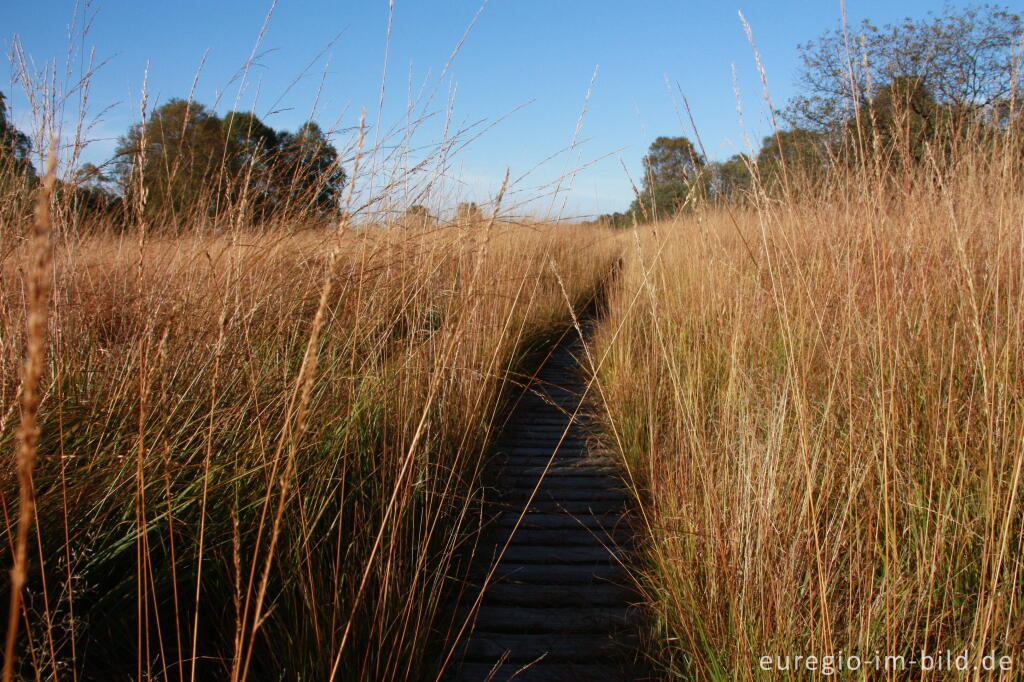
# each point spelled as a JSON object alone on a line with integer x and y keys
{"x": 797, "y": 151}
{"x": 251, "y": 145}
{"x": 965, "y": 58}
{"x": 186, "y": 161}
{"x": 669, "y": 160}
{"x": 906, "y": 117}
{"x": 90, "y": 191}
{"x": 283, "y": 173}
{"x": 417, "y": 215}
{"x": 172, "y": 162}
{"x": 17, "y": 177}
{"x": 615, "y": 220}
{"x": 468, "y": 212}
{"x": 307, "y": 165}
{"x": 675, "y": 175}
{"x": 731, "y": 179}
{"x": 249, "y": 139}
{"x": 15, "y": 146}
{"x": 663, "y": 201}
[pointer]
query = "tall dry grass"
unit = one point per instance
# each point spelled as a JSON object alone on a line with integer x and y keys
{"x": 260, "y": 445}
{"x": 820, "y": 401}
{"x": 213, "y": 503}
{"x": 260, "y": 437}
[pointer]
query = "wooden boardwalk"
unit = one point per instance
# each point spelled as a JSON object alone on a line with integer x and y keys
{"x": 556, "y": 603}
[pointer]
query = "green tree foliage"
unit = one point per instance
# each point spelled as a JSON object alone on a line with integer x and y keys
{"x": 15, "y": 146}
{"x": 794, "y": 152}
{"x": 17, "y": 178}
{"x": 90, "y": 192}
{"x": 662, "y": 201}
{"x": 307, "y": 166}
{"x": 731, "y": 180}
{"x": 905, "y": 117}
{"x": 617, "y": 220}
{"x": 250, "y": 140}
{"x": 966, "y": 58}
{"x": 186, "y": 160}
{"x": 87, "y": 194}
{"x": 172, "y": 163}
{"x": 676, "y": 175}
{"x": 669, "y": 160}
{"x": 795, "y": 147}
{"x": 926, "y": 82}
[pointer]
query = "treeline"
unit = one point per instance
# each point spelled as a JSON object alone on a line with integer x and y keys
{"x": 17, "y": 175}
{"x": 902, "y": 94}
{"x": 186, "y": 165}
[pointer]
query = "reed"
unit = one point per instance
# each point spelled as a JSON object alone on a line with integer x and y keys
{"x": 818, "y": 398}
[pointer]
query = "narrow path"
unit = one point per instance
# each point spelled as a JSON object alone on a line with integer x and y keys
{"x": 558, "y": 604}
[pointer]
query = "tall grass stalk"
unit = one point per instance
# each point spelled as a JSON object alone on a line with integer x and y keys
{"x": 820, "y": 398}
{"x": 235, "y": 448}
{"x": 261, "y": 440}
{"x": 38, "y": 304}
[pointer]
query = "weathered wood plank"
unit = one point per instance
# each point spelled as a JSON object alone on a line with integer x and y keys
{"x": 544, "y": 671}
{"x": 513, "y": 619}
{"x": 551, "y": 490}
{"x": 575, "y": 647}
{"x": 558, "y": 469}
{"x": 571, "y": 537}
{"x": 593, "y": 554}
{"x": 563, "y": 520}
{"x": 560, "y": 594}
{"x": 561, "y": 574}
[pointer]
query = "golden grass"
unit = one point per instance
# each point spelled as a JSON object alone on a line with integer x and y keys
{"x": 38, "y": 304}
{"x": 821, "y": 402}
{"x": 260, "y": 447}
{"x": 245, "y": 473}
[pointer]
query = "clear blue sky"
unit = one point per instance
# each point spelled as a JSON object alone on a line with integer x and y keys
{"x": 532, "y": 60}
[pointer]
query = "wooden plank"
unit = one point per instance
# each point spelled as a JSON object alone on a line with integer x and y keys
{"x": 593, "y": 554}
{"x": 562, "y": 477}
{"x": 564, "y": 521}
{"x": 540, "y": 460}
{"x": 556, "y": 489}
{"x": 552, "y": 446}
{"x": 557, "y": 470}
{"x": 544, "y": 413}
{"x": 560, "y": 592}
{"x": 544, "y": 671}
{"x": 570, "y": 537}
{"x": 544, "y": 503}
{"x": 583, "y": 647}
{"x": 498, "y": 618}
{"x": 560, "y": 595}
{"x": 538, "y": 450}
{"x": 565, "y": 480}
{"x": 560, "y": 574}
{"x": 574, "y": 442}
{"x": 546, "y": 429}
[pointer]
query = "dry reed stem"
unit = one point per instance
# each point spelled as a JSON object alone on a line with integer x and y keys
{"x": 28, "y": 431}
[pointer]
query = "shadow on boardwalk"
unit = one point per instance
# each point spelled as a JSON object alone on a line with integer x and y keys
{"x": 549, "y": 598}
